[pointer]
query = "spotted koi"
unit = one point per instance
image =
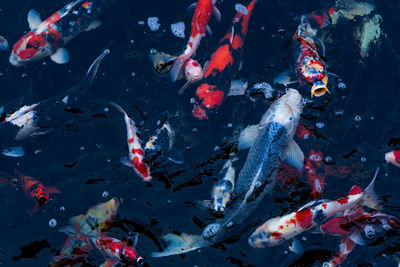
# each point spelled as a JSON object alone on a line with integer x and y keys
{"x": 275, "y": 231}
{"x": 48, "y": 37}
{"x": 223, "y": 66}
{"x": 136, "y": 159}
{"x": 202, "y": 14}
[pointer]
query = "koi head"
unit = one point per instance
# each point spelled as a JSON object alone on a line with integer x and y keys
{"x": 41, "y": 195}
{"x": 221, "y": 195}
{"x": 193, "y": 71}
{"x": 286, "y": 110}
{"x": 264, "y": 237}
{"x": 30, "y": 47}
{"x": 319, "y": 88}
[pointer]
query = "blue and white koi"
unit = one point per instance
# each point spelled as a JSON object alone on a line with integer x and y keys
{"x": 273, "y": 143}
{"x": 48, "y": 37}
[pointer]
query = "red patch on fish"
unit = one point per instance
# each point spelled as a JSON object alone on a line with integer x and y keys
{"x": 343, "y": 200}
{"x": 137, "y": 151}
{"x": 304, "y": 218}
{"x": 355, "y": 190}
{"x": 141, "y": 168}
{"x": 396, "y": 154}
{"x": 219, "y": 60}
{"x": 130, "y": 140}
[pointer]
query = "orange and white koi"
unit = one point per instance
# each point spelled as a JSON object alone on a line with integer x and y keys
{"x": 48, "y": 37}
{"x": 223, "y": 66}
{"x": 275, "y": 231}
{"x": 136, "y": 159}
{"x": 202, "y": 14}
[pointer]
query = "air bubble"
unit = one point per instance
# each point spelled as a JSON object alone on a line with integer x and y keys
{"x": 53, "y": 223}
{"x": 153, "y": 24}
{"x": 105, "y": 194}
{"x": 3, "y": 43}
{"x": 328, "y": 159}
{"x": 357, "y": 118}
{"x": 339, "y": 113}
{"x": 62, "y": 208}
{"x": 178, "y": 29}
{"x": 342, "y": 85}
{"x": 320, "y": 125}
{"x": 363, "y": 159}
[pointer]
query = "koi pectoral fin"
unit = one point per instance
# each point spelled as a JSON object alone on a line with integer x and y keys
{"x": 247, "y": 136}
{"x": 34, "y": 19}
{"x": 216, "y": 14}
{"x": 180, "y": 244}
{"x": 61, "y": 56}
{"x": 53, "y": 190}
{"x": 126, "y": 162}
{"x": 94, "y": 25}
{"x": 293, "y": 155}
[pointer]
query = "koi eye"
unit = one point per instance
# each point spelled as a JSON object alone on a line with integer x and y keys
{"x": 139, "y": 260}
{"x": 42, "y": 200}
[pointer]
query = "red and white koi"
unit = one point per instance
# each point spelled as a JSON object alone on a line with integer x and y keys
{"x": 48, "y": 37}
{"x": 112, "y": 248}
{"x": 316, "y": 180}
{"x": 202, "y": 14}
{"x": 275, "y": 231}
{"x": 350, "y": 226}
{"x": 310, "y": 68}
{"x": 136, "y": 159}
{"x": 223, "y": 66}
{"x": 393, "y": 157}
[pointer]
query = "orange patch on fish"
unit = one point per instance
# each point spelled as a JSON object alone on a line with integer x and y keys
{"x": 220, "y": 59}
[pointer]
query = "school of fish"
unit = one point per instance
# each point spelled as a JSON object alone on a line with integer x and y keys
{"x": 263, "y": 157}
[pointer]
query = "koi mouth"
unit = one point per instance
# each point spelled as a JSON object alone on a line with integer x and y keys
{"x": 318, "y": 90}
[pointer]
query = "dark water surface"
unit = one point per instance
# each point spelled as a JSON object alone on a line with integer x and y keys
{"x": 81, "y": 151}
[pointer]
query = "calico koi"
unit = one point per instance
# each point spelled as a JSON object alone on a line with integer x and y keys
{"x": 48, "y": 37}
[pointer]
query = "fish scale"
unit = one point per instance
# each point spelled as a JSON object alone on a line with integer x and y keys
{"x": 269, "y": 143}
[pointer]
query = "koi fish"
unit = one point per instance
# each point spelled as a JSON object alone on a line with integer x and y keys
{"x": 316, "y": 180}
{"x": 201, "y": 17}
{"x": 310, "y": 68}
{"x": 223, "y": 189}
{"x": 273, "y": 143}
{"x": 393, "y": 157}
{"x": 351, "y": 226}
{"x": 191, "y": 69}
{"x": 275, "y": 231}
{"x": 48, "y": 37}
{"x": 25, "y": 118}
{"x": 223, "y": 66}
{"x": 95, "y": 220}
{"x": 136, "y": 160}
{"x": 33, "y": 189}
{"x": 111, "y": 248}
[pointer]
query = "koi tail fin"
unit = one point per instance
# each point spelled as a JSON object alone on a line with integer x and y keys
{"x": 177, "y": 67}
{"x": 68, "y": 230}
{"x": 369, "y": 198}
{"x": 180, "y": 244}
{"x": 120, "y": 109}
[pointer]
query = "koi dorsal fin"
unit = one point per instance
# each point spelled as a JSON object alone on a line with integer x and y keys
{"x": 355, "y": 190}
